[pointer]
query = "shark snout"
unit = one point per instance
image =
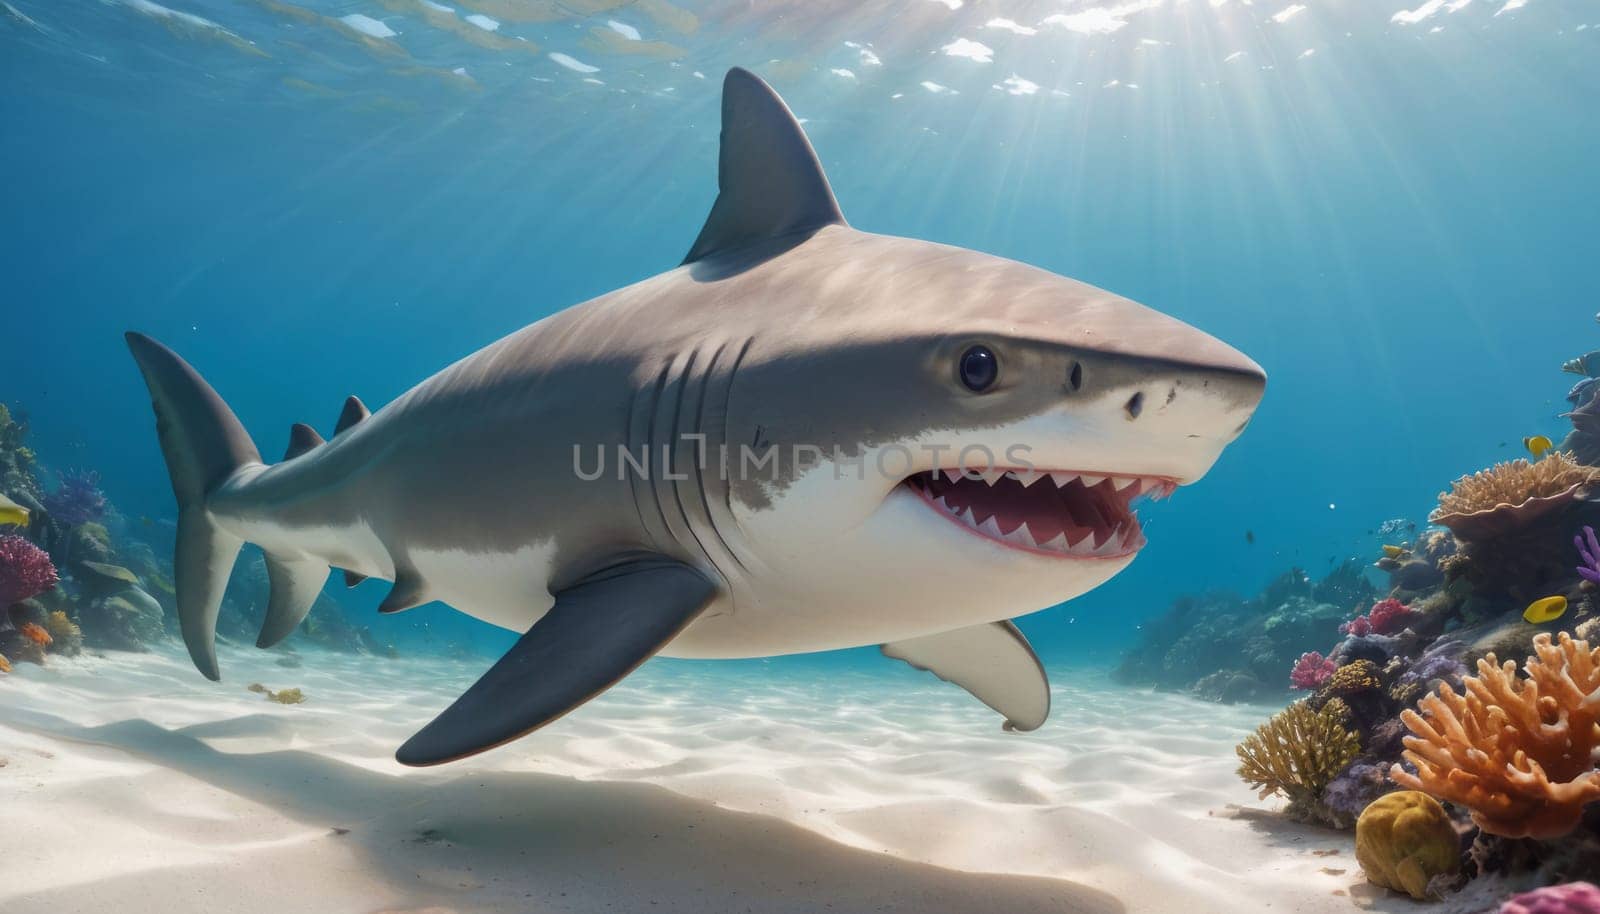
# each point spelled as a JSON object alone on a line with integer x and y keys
{"x": 1183, "y": 414}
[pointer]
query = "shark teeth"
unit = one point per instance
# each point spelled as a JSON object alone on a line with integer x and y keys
{"x": 1078, "y": 515}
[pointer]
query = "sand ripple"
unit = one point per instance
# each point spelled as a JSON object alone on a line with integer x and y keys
{"x": 1129, "y": 793}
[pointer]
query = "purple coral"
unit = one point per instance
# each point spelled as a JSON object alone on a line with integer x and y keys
{"x": 25, "y": 570}
{"x": 1567, "y": 898}
{"x": 1439, "y": 663}
{"x": 1356, "y": 787}
{"x": 1589, "y": 551}
{"x": 78, "y": 500}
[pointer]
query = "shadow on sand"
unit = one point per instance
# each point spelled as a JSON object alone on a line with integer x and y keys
{"x": 468, "y": 841}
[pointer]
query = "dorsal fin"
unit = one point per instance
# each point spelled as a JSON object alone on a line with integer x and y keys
{"x": 769, "y": 182}
{"x": 354, "y": 411}
{"x": 302, "y": 438}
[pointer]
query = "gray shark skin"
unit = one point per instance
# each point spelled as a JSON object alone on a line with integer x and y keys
{"x": 583, "y": 481}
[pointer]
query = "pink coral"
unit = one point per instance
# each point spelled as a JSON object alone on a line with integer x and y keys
{"x": 1568, "y": 898}
{"x": 1386, "y": 618}
{"x": 1311, "y": 671}
{"x": 1360, "y": 625}
{"x": 25, "y": 570}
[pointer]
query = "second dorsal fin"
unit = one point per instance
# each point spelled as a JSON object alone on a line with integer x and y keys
{"x": 769, "y": 182}
{"x": 354, "y": 411}
{"x": 302, "y": 438}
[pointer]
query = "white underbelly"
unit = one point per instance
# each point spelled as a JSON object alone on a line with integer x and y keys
{"x": 508, "y": 589}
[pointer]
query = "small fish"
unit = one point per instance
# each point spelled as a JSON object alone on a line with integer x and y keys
{"x": 1537, "y": 445}
{"x": 1250, "y": 537}
{"x": 12, "y": 514}
{"x": 1546, "y": 610}
{"x": 1393, "y": 552}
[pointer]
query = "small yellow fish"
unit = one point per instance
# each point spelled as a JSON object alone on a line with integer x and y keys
{"x": 1546, "y": 610}
{"x": 1394, "y": 552}
{"x": 12, "y": 514}
{"x": 1537, "y": 445}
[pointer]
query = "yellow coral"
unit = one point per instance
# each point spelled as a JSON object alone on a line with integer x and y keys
{"x": 1360, "y": 676}
{"x": 1404, "y": 840}
{"x": 1515, "y": 752}
{"x": 63, "y": 631}
{"x": 1298, "y": 752}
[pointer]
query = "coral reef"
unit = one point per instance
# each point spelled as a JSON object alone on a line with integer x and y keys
{"x": 1589, "y": 553}
{"x": 77, "y": 499}
{"x": 1353, "y": 679}
{"x": 17, "y": 478}
{"x": 1297, "y": 754}
{"x": 127, "y": 620}
{"x": 66, "y": 635}
{"x": 1386, "y": 617}
{"x": 1517, "y": 753}
{"x": 35, "y": 633}
{"x": 1567, "y": 898}
{"x": 1583, "y": 442}
{"x": 1404, "y": 841}
{"x": 1224, "y": 648}
{"x": 1511, "y": 523}
{"x": 1353, "y": 790}
{"x": 25, "y": 570}
{"x": 1311, "y": 671}
{"x": 1510, "y": 495}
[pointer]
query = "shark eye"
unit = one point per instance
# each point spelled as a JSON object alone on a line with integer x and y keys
{"x": 978, "y": 368}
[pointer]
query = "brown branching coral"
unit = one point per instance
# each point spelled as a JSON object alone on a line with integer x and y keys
{"x": 1515, "y": 752}
{"x": 1297, "y": 752}
{"x": 1509, "y": 495}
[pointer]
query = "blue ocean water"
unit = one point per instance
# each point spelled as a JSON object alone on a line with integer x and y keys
{"x": 1391, "y": 207}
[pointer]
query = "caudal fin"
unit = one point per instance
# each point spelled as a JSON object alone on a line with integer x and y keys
{"x": 204, "y": 445}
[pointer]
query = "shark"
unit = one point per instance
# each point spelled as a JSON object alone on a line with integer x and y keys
{"x": 804, "y": 437}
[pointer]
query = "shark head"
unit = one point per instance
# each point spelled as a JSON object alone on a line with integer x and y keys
{"x": 953, "y": 437}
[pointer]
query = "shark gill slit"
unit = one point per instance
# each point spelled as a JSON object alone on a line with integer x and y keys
{"x": 727, "y": 405}
{"x": 685, "y": 381}
{"x": 643, "y": 485}
{"x": 707, "y": 445}
{"x": 663, "y": 425}
{"x": 630, "y": 435}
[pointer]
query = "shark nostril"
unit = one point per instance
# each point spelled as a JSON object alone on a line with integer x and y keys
{"x": 1075, "y": 377}
{"x": 1135, "y": 405}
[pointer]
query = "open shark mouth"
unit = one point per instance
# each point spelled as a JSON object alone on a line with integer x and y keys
{"x": 1058, "y": 513}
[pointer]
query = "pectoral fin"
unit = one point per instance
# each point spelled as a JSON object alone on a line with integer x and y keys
{"x": 994, "y": 662}
{"x": 597, "y": 632}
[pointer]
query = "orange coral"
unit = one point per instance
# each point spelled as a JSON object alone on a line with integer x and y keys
{"x": 1515, "y": 752}
{"x": 36, "y": 634}
{"x": 5, "y": 665}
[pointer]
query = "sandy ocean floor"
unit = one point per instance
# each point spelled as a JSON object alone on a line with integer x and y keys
{"x": 132, "y": 785}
